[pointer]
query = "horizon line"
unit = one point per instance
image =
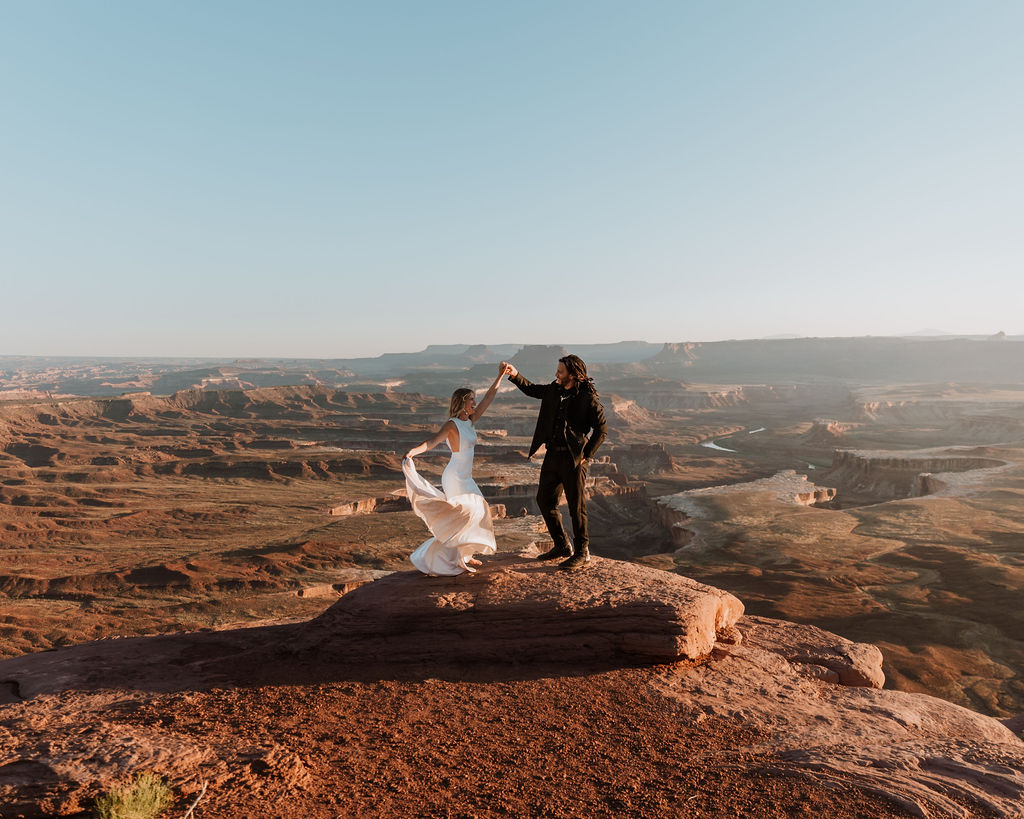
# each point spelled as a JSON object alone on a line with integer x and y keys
{"x": 917, "y": 336}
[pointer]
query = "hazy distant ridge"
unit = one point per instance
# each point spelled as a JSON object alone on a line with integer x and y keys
{"x": 993, "y": 359}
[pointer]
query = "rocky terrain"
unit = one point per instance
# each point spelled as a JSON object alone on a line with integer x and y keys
{"x": 221, "y": 510}
{"x": 925, "y": 564}
{"x": 621, "y": 690}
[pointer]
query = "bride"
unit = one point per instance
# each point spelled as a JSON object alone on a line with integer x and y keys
{"x": 458, "y": 517}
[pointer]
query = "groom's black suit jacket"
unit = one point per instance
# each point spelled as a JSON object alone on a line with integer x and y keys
{"x": 583, "y": 414}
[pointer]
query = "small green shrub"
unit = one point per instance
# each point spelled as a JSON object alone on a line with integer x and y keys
{"x": 145, "y": 797}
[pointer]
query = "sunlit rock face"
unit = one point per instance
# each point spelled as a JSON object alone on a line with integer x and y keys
{"x": 521, "y": 611}
{"x": 886, "y": 475}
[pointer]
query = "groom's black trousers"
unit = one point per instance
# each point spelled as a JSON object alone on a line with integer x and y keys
{"x": 559, "y": 472}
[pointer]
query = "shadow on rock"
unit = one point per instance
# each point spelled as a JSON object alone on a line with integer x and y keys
{"x": 514, "y": 619}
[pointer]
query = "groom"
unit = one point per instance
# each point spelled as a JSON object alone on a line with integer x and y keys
{"x": 569, "y": 412}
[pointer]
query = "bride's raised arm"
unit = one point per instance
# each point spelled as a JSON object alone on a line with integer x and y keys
{"x": 446, "y": 429}
{"x": 481, "y": 408}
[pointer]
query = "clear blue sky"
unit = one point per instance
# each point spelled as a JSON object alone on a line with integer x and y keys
{"x": 336, "y": 179}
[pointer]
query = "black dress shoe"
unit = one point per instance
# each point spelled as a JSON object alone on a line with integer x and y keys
{"x": 577, "y": 561}
{"x": 555, "y": 551}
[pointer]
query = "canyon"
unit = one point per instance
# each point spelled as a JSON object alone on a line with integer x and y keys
{"x": 214, "y": 509}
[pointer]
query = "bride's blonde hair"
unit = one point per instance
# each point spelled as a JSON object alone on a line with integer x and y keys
{"x": 458, "y": 399}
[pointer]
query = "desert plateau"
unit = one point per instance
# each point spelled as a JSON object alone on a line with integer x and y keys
{"x": 806, "y": 598}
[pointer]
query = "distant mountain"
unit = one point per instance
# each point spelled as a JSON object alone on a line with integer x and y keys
{"x": 994, "y": 358}
{"x": 929, "y": 332}
{"x": 886, "y": 360}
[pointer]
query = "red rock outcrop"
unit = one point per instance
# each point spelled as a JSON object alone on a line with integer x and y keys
{"x": 466, "y": 665}
{"x": 642, "y": 459}
{"x": 388, "y": 503}
{"x": 786, "y": 486}
{"x": 827, "y": 432}
{"x": 885, "y": 475}
{"x": 928, "y": 756}
{"x": 621, "y": 411}
{"x": 518, "y": 609}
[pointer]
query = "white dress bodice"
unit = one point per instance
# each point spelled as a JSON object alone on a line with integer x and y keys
{"x": 457, "y": 478}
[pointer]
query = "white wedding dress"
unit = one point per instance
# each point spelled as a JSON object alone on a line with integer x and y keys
{"x": 458, "y": 518}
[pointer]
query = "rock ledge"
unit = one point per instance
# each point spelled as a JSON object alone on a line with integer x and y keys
{"x": 519, "y": 610}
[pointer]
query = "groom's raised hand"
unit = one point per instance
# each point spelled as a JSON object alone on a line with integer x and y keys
{"x": 508, "y": 369}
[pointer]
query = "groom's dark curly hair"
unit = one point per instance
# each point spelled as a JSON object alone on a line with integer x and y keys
{"x": 577, "y": 369}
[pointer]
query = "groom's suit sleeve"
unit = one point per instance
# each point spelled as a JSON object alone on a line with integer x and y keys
{"x": 531, "y": 389}
{"x": 598, "y": 429}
